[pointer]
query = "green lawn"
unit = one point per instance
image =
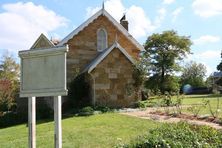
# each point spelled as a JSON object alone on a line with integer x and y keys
{"x": 94, "y": 131}
{"x": 198, "y": 99}
{"x": 194, "y": 100}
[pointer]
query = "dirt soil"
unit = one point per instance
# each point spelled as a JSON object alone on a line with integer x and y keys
{"x": 152, "y": 113}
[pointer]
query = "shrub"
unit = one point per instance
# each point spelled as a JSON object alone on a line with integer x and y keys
{"x": 177, "y": 104}
{"x": 103, "y": 109}
{"x": 142, "y": 104}
{"x": 214, "y": 112}
{"x": 195, "y": 109}
{"x": 86, "y": 111}
{"x": 167, "y": 100}
{"x": 179, "y": 135}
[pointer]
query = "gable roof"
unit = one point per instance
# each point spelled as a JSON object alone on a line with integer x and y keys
{"x": 44, "y": 38}
{"x": 95, "y": 16}
{"x": 102, "y": 56}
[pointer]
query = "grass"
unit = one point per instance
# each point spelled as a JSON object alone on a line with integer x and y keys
{"x": 198, "y": 99}
{"x": 94, "y": 131}
{"x": 194, "y": 100}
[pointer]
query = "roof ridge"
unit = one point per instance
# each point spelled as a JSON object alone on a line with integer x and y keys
{"x": 95, "y": 16}
{"x": 105, "y": 53}
{"x": 45, "y": 38}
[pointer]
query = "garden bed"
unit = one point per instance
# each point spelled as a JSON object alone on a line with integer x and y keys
{"x": 190, "y": 117}
{"x": 159, "y": 115}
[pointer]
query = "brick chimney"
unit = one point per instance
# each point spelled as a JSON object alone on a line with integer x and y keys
{"x": 124, "y": 22}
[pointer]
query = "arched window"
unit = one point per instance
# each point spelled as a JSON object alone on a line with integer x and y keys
{"x": 101, "y": 39}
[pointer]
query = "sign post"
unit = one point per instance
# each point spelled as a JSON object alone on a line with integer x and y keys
{"x": 32, "y": 122}
{"x": 57, "y": 119}
{"x": 43, "y": 74}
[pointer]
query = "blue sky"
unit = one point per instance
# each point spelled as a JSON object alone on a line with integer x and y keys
{"x": 21, "y": 22}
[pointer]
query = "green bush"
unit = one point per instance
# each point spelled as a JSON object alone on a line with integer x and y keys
{"x": 179, "y": 135}
{"x": 103, "y": 109}
{"x": 149, "y": 103}
{"x": 86, "y": 111}
{"x": 142, "y": 104}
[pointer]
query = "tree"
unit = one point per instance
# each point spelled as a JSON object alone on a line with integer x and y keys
{"x": 139, "y": 76}
{"x": 9, "y": 76}
{"x": 193, "y": 74}
{"x": 171, "y": 83}
{"x": 219, "y": 66}
{"x": 164, "y": 52}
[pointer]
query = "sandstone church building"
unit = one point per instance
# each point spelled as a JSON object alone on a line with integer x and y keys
{"x": 103, "y": 49}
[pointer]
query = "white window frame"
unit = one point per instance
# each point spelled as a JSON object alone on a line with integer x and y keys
{"x": 106, "y": 39}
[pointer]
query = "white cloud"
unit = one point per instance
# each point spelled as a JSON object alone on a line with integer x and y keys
{"x": 139, "y": 23}
{"x": 176, "y": 12}
{"x": 21, "y": 24}
{"x": 207, "y": 8}
{"x": 110, "y": 6}
{"x": 168, "y": 1}
{"x": 209, "y": 69}
{"x": 161, "y": 15}
{"x": 210, "y": 58}
{"x": 209, "y": 54}
{"x": 207, "y": 39}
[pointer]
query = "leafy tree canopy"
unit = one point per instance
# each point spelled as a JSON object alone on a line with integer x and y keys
{"x": 193, "y": 74}
{"x": 163, "y": 52}
{"x": 9, "y": 76}
{"x": 219, "y": 66}
{"x": 9, "y": 69}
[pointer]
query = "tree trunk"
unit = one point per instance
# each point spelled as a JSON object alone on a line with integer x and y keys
{"x": 162, "y": 79}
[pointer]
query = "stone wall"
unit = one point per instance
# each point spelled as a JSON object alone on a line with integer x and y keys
{"x": 83, "y": 48}
{"x": 113, "y": 81}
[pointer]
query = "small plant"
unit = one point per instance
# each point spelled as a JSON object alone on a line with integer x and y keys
{"x": 86, "y": 111}
{"x": 177, "y": 104}
{"x": 120, "y": 144}
{"x": 142, "y": 104}
{"x": 103, "y": 109}
{"x": 213, "y": 112}
{"x": 196, "y": 108}
{"x": 149, "y": 103}
{"x": 167, "y": 102}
